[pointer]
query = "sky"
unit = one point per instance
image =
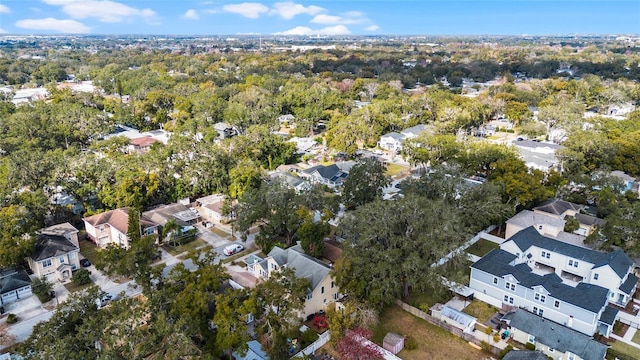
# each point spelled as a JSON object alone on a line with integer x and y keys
{"x": 320, "y": 17}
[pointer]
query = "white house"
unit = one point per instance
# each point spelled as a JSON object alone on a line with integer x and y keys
{"x": 111, "y": 227}
{"x": 538, "y": 155}
{"x": 393, "y": 140}
{"x": 559, "y": 281}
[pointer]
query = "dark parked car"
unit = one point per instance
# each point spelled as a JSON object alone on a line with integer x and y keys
{"x": 85, "y": 262}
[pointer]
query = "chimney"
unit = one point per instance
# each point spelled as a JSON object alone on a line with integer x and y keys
{"x": 570, "y": 321}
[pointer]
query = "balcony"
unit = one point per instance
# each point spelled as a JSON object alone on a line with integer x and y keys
{"x": 571, "y": 279}
{"x": 542, "y": 269}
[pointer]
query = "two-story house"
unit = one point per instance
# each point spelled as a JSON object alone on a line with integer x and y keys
{"x": 330, "y": 175}
{"x": 562, "y": 282}
{"x": 56, "y": 252}
{"x": 110, "y": 227}
{"x": 552, "y": 339}
{"x": 323, "y": 289}
{"x": 393, "y": 140}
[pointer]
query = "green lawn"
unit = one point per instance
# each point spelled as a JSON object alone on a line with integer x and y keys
{"x": 395, "y": 169}
{"x": 72, "y": 287}
{"x": 482, "y": 247}
{"x": 636, "y": 338}
{"x": 192, "y": 245}
{"x": 626, "y": 349}
{"x": 432, "y": 342}
{"x": 480, "y": 310}
{"x": 89, "y": 250}
{"x": 220, "y": 232}
{"x": 430, "y": 298}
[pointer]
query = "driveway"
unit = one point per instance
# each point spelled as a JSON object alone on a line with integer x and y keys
{"x": 210, "y": 237}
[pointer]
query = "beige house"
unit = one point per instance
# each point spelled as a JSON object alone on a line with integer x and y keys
{"x": 211, "y": 208}
{"x": 55, "y": 255}
{"x": 111, "y": 227}
{"x": 323, "y": 290}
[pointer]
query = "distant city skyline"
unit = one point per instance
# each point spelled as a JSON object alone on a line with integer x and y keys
{"x": 321, "y": 17}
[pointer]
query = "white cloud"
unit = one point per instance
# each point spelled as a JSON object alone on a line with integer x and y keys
{"x": 104, "y": 10}
{"x": 2, "y": 31}
{"x": 372, "y": 28}
{"x": 249, "y": 10}
{"x": 4, "y": 9}
{"x": 352, "y": 17}
{"x": 66, "y": 26}
{"x": 288, "y": 10}
{"x": 191, "y": 14}
{"x": 303, "y": 30}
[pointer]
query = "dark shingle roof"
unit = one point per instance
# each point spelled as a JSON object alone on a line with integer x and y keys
{"x": 557, "y": 206}
{"x": 589, "y": 220}
{"x": 555, "y": 335}
{"x": 628, "y": 285}
{"x": 525, "y": 355}
{"x": 619, "y": 262}
{"x": 48, "y": 246}
{"x": 587, "y": 296}
{"x": 609, "y": 315}
{"x": 14, "y": 281}
{"x": 331, "y": 172}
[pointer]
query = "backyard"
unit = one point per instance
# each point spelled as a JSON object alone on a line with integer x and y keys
{"x": 482, "y": 247}
{"x": 89, "y": 250}
{"x": 426, "y": 299}
{"x": 431, "y": 341}
{"x": 480, "y": 310}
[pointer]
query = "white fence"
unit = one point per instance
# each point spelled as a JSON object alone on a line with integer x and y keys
{"x": 311, "y": 349}
{"x": 484, "y": 234}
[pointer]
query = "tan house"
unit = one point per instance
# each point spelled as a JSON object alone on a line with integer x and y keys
{"x": 110, "y": 227}
{"x": 55, "y": 257}
{"x": 323, "y": 290}
{"x": 211, "y": 208}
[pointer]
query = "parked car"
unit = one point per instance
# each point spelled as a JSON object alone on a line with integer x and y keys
{"x": 233, "y": 249}
{"x": 85, "y": 263}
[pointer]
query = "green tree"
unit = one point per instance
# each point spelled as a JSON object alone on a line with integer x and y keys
{"x": 17, "y": 235}
{"x": 312, "y": 234}
{"x": 232, "y": 309}
{"x": 365, "y": 182}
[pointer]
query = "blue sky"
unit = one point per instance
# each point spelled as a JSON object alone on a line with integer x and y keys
{"x": 421, "y": 17}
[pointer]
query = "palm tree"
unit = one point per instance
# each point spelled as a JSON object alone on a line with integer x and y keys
{"x": 170, "y": 229}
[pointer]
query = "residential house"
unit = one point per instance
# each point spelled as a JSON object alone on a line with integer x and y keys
{"x": 27, "y": 95}
{"x": 560, "y": 209}
{"x": 304, "y": 145}
{"x": 629, "y": 183}
{"x": 330, "y": 175}
{"x": 183, "y": 216}
{"x": 111, "y": 227}
{"x": 552, "y": 339}
{"x": 294, "y": 182}
{"x": 225, "y": 130}
{"x": 254, "y": 352}
{"x": 286, "y": 120}
{"x": 56, "y": 253}
{"x": 141, "y": 145}
{"x": 538, "y": 155}
{"x": 211, "y": 208}
{"x": 559, "y": 281}
{"x": 525, "y": 355}
{"x": 393, "y": 140}
{"x": 322, "y": 291}
{"x": 14, "y": 285}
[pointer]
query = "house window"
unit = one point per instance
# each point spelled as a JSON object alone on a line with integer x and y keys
{"x": 336, "y": 296}
{"x": 595, "y": 276}
{"x": 612, "y": 295}
{"x": 309, "y": 296}
{"x": 61, "y": 259}
{"x": 545, "y": 254}
{"x": 495, "y": 280}
{"x": 510, "y": 286}
{"x": 506, "y": 298}
{"x": 46, "y": 263}
{"x": 539, "y": 227}
{"x": 322, "y": 290}
{"x": 556, "y": 303}
{"x": 540, "y": 297}
{"x": 72, "y": 256}
{"x": 332, "y": 284}
{"x": 570, "y": 262}
{"x": 573, "y": 263}
{"x": 552, "y": 350}
{"x": 537, "y": 311}
{"x": 571, "y": 356}
{"x": 531, "y": 339}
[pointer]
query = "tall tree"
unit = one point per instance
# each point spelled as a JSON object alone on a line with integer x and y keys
{"x": 365, "y": 182}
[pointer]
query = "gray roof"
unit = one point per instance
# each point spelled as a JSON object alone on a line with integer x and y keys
{"x": 305, "y": 266}
{"x": 178, "y": 212}
{"x": 394, "y": 135}
{"x": 557, "y": 206}
{"x": 48, "y": 246}
{"x": 60, "y": 229}
{"x": 14, "y": 281}
{"x": 617, "y": 260}
{"x": 536, "y": 144}
{"x": 609, "y": 315}
{"x": 556, "y": 336}
{"x": 623, "y": 176}
{"x": 415, "y": 130}
{"x": 629, "y": 284}
{"x": 589, "y": 220}
{"x": 587, "y": 296}
{"x": 526, "y": 218}
{"x": 525, "y": 355}
{"x": 287, "y": 178}
{"x": 331, "y": 172}
{"x": 254, "y": 352}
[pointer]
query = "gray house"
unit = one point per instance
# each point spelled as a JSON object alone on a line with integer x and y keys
{"x": 551, "y": 338}
{"x": 14, "y": 285}
{"x": 562, "y": 282}
{"x": 329, "y": 175}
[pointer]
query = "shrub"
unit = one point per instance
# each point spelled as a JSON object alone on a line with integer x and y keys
{"x": 12, "y": 319}
{"x": 485, "y": 345}
{"x": 530, "y": 346}
{"x": 410, "y": 343}
{"x": 81, "y": 277}
{"x": 309, "y": 336}
{"x": 504, "y": 351}
{"x": 496, "y": 337}
{"x": 42, "y": 288}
